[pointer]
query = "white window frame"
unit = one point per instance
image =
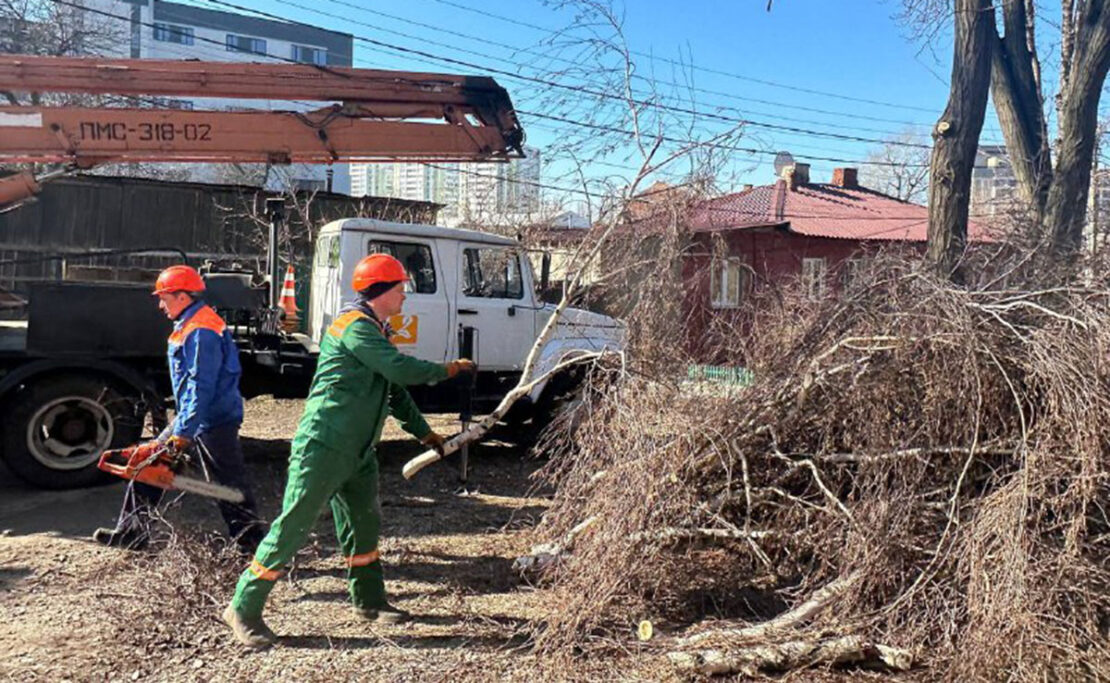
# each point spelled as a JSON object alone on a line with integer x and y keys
{"x": 319, "y": 54}
{"x": 815, "y": 278}
{"x": 257, "y": 46}
{"x": 727, "y": 282}
{"x": 174, "y": 33}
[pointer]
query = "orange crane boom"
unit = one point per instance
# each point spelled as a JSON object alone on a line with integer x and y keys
{"x": 375, "y": 115}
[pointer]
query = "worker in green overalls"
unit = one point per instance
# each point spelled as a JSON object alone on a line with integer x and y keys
{"x": 360, "y": 379}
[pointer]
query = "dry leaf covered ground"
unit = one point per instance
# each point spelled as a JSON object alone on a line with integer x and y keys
{"x": 72, "y": 610}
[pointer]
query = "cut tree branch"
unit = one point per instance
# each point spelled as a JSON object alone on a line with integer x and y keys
{"x": 790, "y": 655}
{"x": 802, "y": 613}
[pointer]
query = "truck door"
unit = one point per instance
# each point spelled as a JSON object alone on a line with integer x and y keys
{"x": 422, "y": 328}
{"x": 492, "y": 299}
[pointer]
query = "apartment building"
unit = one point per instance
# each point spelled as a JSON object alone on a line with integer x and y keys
{"x": 472, "y": 193}
{"x": 152, "y": 29}
{"x": 994, "y": 191}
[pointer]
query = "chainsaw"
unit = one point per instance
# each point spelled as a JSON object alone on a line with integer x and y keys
{"x": 159, "y": 465}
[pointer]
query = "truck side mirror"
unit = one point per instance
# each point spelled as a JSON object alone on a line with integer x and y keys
{"x": 545, "y": 270}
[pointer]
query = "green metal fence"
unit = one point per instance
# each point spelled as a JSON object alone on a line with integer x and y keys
{"x": 720, "y": 374}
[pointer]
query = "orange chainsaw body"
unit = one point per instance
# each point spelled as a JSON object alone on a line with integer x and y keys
{"x": 158, "y": 465}
{"x": 147, "y": 463}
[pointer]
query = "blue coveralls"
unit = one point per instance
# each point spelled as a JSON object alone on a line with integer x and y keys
{"x": 204, "y": 371}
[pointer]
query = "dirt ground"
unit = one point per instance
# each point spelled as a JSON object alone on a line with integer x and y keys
{"x": 72, "y": 610}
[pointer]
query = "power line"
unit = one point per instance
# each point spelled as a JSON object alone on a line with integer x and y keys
{"x": 735, "y": 148}
{"x": 573, "y": 190}
{"x": 422, "y": 56}
{"x": 532, "y": 125}
{"x": 189, "y": 55}
{"x": 673, "y": 62}
{"x": 152, "y": 25}
{"x": 689, "y": 142}
{"x": 576, "y": 88}
{"x": 686, "y": 141}
{"x": 711, "y": 209}
{"x": 518, "y": 49}
{"x": 560, "y": 119}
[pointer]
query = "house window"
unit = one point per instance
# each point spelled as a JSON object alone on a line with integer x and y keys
{"x": 728, "y": 282}
{"x": 310, "y": 55}
{"x": 850, "y": 272}
{"x": 245, "y": 44}
{"x": 814, "y": 280}
{"x": 417, "y": 259}
{"x": 170, "y": 33}
{"x": 492, "y": 273}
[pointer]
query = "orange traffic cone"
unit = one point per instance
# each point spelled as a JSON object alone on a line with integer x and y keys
{"x": 292, "y": 321}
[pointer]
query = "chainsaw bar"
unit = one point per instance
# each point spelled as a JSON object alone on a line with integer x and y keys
{"x": 207, "y": 488}
{"x": 157, "y": 469}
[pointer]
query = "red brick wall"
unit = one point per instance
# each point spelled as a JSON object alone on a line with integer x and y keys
{"x": 775, "y": 256}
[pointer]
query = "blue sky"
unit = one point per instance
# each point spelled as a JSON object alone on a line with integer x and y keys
{"x": 817, "y": 59}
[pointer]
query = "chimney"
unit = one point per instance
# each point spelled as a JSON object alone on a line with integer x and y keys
{"x": 796, "y": 175}
{"x": 847, "y": 178}
{"x": 747, "y": 186}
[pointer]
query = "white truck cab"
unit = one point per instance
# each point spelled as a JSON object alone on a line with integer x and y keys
{"x": 459, "y": 278}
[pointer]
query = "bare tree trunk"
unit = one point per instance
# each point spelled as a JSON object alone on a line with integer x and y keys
{"x": 1019, "y": 102}
{"x": 956, "y": 135}
{"x": 1067, "y": 47}
{"x": 1066, "y": 206}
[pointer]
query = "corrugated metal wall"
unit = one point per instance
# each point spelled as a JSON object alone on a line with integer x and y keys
{"x": 78, "y": 215}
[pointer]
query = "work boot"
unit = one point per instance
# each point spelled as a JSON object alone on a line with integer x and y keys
{"x": 128, "y": 538}
{"x": 385, "y": 614}
{"x": 251, "y": 633}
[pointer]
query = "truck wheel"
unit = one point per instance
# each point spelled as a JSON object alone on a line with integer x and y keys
{"x": 55, "y": 428}
{"x": 557, "y": 404}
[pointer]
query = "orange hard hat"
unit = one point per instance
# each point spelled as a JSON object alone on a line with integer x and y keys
{"x": 377, "y": 268}
{"x": 178, "y": 279}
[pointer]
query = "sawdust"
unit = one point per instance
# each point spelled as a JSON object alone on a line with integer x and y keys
{"x": 71, "y": 610}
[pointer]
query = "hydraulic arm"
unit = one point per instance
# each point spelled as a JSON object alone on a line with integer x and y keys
{"x": 365, "y": 114}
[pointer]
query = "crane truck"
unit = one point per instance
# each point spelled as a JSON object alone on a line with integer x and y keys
{"x": 86, "y": 369}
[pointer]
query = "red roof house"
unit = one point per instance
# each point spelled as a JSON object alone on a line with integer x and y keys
{"x": 789, "y": 231}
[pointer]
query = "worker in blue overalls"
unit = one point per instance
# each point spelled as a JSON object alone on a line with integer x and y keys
{"x": 204, "y": 371}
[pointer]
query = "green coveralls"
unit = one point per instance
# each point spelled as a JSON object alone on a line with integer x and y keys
{"x": 359, "y": 380}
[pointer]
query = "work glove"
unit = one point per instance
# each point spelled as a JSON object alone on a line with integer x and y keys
{"x": 434, "y": 441}
{"x": 462, "y": 365}
{"x": 179, "y": 444}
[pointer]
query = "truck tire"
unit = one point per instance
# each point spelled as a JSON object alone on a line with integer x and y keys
{"x": 562, "y": 394}
{"x": 55, "y": 428}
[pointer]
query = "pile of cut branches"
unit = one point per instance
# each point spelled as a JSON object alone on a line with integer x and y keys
{"x": 917, "y": 477}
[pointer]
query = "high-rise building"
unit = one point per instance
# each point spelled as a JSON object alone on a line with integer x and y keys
{"x": 471, "y": 192}
{"x": 493, "y": 193}
{"x": 993, "y": 184}
{"x": 431, "y": 182}
{"x": 994, "y": 191}
{"x": 153, "y": 29}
